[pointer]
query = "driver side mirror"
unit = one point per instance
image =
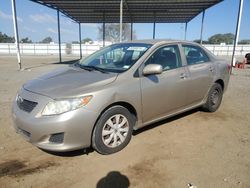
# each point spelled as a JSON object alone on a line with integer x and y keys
{"x": 152, "y": 69}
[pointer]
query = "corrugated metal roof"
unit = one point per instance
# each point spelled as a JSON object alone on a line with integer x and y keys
{"x": 136, "y": 11}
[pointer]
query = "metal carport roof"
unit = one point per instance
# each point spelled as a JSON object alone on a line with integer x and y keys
{"x": 135, "y": 11}
{"x": 127, "y": 11}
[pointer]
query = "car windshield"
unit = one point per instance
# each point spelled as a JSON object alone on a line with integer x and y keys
{"x": 115, "y": 58}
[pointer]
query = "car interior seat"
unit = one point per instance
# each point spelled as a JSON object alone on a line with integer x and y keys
{"x": 127, "y": 59}
{"x": 193, "y": 57}
{"x": 171, "y": 60}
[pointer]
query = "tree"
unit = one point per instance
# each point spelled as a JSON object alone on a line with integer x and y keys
{"x": 87, "y": 40}
{"x": 6, "y": 39}
{"x": 26, "y": 40}
{"x": 227, "y": 38}
{"x": 199, "y": 41}
{"x": 112, "y": 32}
{"x": 245, "y": 41}
{"x": 46, "y": 40}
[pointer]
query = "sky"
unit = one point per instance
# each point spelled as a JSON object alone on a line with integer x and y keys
{"x": 37, "y": 22}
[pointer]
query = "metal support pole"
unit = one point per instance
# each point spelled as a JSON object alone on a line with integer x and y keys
{"x": 121, "y": 17}
{"x": 186, "y": 25}
{"x": 154, "y": 27}
{"x": 16, "y": 33}
{"x": 80, "y": 40}
{"x": 202, "y": 23}
{"x": 59, "y": 35}
{"x": 154, "y": 30}
{"x": 103, "y": 30}
{"x": 103, "y": 33}
{"x": 237, "y": 33}
{"x": 131, "y": 37}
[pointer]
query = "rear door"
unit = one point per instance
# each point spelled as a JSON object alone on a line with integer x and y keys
{"x": 200, "y": 73}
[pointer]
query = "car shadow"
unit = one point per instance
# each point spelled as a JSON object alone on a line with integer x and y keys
{"x": 69, "y": 62}
{"x": 75, "y": 153}
{"x": 113, "y": 179}
{"x": 167, "y": 120}
{"x": 153, "y": 78}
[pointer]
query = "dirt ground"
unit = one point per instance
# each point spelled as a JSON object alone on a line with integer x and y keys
{"x": 205, "y": 149}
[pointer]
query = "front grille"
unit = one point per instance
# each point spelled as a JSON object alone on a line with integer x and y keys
{"x": 57, "y": 138}
{"x": 25, "y": 105}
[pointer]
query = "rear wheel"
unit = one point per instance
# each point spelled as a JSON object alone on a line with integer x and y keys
{"x": 113, "y": 130}
{"x": 214, "y": 98}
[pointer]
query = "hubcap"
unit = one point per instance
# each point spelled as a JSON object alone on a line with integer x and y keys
{"x": 115, "y": 131}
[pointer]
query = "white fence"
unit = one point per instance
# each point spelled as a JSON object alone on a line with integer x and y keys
{"x": 48, "y": 49}
{"x": 227, "y": 50}
{"x": 74, "y": 49}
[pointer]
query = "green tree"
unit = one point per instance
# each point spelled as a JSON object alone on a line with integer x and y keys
{"x": 227, "y": 38}
{"x": 199, "y": 41}
{"x": 6, "y": 39}
{"x": 112, "y": 32}
{"x": 46, "y": 40}
{"x": 87, "y": 40}
{"x": 244, "y": 41}
{"x": 26, "y": 40}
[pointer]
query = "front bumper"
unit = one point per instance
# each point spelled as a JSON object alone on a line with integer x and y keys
{"x": 76, "y": 126}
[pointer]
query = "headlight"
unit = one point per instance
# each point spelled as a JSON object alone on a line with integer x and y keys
{"x": 61, "y": 106}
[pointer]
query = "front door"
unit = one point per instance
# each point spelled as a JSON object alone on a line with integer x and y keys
{"x": 164, "y": 93}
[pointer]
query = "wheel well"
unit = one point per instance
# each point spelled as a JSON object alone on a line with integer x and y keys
{"x": 221, "y": 82}
{"x": 126, "y": 105}
{"x": 130, "y": 107}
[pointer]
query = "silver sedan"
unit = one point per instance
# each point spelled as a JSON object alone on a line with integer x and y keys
{"x": 101, "y": 99}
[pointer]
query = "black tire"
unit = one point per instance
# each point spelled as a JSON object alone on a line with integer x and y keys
{"x": 213, "y": 104}
{"x": 97, "y": 137}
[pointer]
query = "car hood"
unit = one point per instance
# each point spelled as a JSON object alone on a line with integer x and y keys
{"x": 68, "y": 81}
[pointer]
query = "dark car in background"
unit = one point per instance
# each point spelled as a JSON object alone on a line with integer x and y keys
{"x": 247, "y": 56}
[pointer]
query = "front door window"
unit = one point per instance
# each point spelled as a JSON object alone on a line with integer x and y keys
{"x": 168, "y": 57}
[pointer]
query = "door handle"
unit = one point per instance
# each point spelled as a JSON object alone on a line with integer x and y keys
{"x": 183, "y": 76}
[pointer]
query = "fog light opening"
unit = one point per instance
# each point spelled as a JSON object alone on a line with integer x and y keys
{"x": 57, "y": 138}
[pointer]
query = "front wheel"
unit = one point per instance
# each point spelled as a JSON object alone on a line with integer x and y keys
{"x": 214, "y": 98}
{"x": 113, "y": 130}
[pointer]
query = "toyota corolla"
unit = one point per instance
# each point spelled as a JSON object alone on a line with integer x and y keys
{"x": 98, "y": 101}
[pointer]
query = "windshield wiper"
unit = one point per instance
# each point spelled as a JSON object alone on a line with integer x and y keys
{"x": 84, "y": 67}
{"x": 90, "y": 68}
{"x": 98, "y": 69}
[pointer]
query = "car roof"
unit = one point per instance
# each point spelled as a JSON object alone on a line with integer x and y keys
{"x": 155, "y": 41}
{"x": 159, "y": 42}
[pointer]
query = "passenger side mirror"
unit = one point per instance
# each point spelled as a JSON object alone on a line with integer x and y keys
{"x": 152, "y": 69}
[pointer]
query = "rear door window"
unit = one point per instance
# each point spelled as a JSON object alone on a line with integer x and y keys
{"x": 195, "y": 55}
